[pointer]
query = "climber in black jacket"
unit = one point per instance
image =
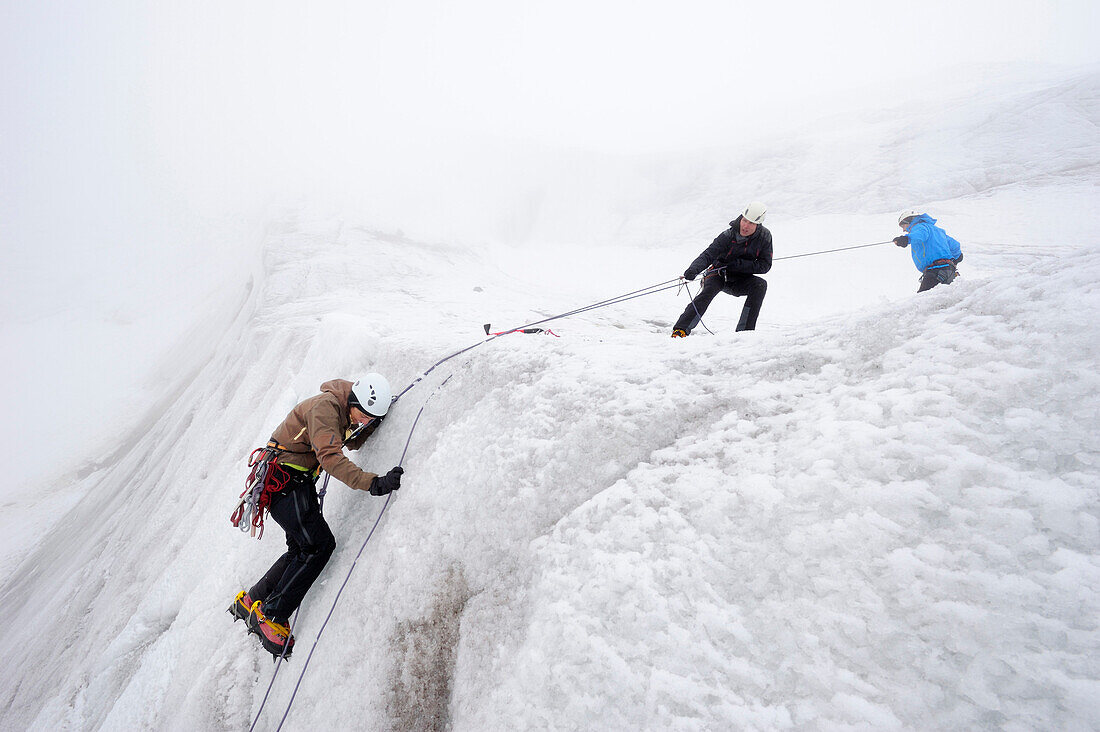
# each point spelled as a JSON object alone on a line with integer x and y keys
{"x": 735, "y": 257}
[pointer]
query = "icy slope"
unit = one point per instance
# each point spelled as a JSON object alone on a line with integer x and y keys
{"x": 878, "y": 510}
{"x": 885, "y": 519}
{"x": 889, "y": 524}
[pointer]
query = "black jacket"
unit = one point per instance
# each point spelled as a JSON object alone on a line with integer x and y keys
{"x": 754, "y": 256}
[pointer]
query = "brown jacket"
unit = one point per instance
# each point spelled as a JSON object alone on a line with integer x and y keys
{"x": 313, "y": 433}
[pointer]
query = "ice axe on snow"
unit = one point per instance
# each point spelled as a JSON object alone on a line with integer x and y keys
{"x": 547, "y": 331}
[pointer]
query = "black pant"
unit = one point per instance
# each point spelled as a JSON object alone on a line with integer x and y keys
{"x": 933, "y": 276}
{"x": 309, "y": 543}
{"x": 749, "y": 286}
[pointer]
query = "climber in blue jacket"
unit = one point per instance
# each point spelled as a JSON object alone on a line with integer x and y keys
{"x": 934, "y": 252}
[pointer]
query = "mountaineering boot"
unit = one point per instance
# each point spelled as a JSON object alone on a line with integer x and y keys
{"x": 678, "y": 333}
{"x": 274, "y": 637}
{"x": 241, "y": 607}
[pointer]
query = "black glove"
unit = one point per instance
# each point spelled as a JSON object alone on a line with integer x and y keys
{"x": 689, "y": 275}
{"x": 902, "y": 241}
{"x": 383, "y": 484}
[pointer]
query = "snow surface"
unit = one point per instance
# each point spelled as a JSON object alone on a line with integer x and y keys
{"x": 877, "y": 511}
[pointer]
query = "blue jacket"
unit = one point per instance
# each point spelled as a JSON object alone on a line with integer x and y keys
{"x": 928, "y": 243}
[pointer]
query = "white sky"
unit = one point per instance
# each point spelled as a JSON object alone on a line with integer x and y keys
{"x": 121, "y": 119}
{"x": 237, "y": 83}
{"x": 256, "y": 94}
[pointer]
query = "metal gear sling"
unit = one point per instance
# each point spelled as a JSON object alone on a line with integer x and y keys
{"x": 266, "y": 478}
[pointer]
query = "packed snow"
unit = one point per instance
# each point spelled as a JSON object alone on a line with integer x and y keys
{"x": 879, "y": 510}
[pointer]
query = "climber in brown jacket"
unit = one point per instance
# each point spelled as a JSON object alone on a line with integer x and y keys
{"x": 313, "y": 434}
{"x": 312, "y": 438}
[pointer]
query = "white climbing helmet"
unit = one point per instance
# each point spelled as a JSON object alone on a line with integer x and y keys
{"x": 372, "y": 394}
{"x": 907, "y": 214}
{"x": 754, "y": 212}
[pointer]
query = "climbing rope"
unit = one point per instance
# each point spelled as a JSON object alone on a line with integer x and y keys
{"x": 713, "y": 270}
{"x": 691, "y": 298}
{"x": 652, "y": 289}
{"x": 278, "y": 665}
{"x": 641, "y": 292}
{"x": 830, "y": 251}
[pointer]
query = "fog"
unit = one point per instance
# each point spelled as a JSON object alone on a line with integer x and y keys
{"x": 134, "y": 112}
{"x": 141, "y": 140}
{"x": 131, "y": 113}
